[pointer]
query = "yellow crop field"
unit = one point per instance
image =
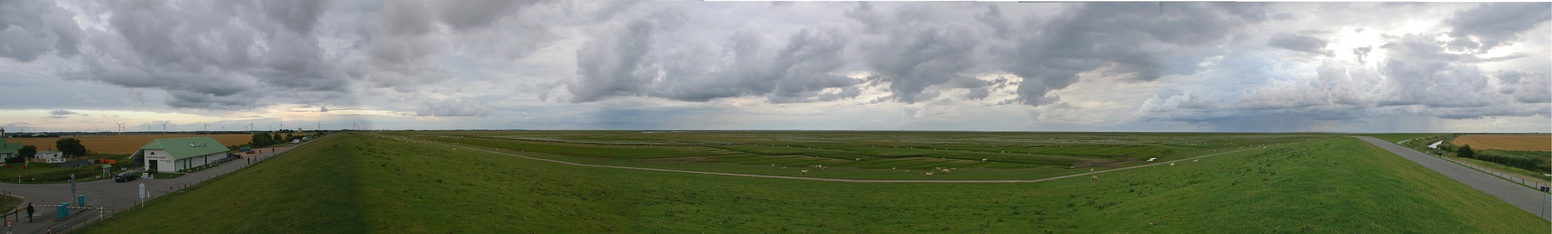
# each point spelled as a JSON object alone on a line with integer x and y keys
{"x": 125, "y": 144}
{"x": 1506, "y": 142}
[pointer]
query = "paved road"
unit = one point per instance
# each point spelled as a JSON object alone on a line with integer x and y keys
{"x": 821, "y": 179}
{"x": 1525, "y": 198}
{"x": 108, "y": 194}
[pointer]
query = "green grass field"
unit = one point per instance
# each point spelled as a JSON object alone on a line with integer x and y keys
{"x": 354, "y": 183}
{"x": 863, "y": 155}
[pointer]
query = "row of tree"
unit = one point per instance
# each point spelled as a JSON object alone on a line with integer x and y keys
{"x": 71, "y": 147}
{"x": 267, "y": 139}
{"x": 1528, "y": 163}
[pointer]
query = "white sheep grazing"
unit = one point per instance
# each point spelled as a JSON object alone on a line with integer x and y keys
{"x": 859, "y": 159}
{"x": 929, "y": 174}
{"x": 804, "y": 171}
{"x": 983, "y": 160}
{"x": 1151, "y": 159}
{"x": 1193, "y": 160}
{"x": 1171, "y": 164}
{"x": 945, "y": 170}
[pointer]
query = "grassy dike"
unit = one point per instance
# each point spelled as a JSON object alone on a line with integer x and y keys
{"x": 355, "y": 183}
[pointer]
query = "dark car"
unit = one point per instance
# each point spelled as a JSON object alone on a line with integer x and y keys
{"x": 125, "y": 176}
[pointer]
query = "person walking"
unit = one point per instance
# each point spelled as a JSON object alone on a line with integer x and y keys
{"x": 29, "y": 212}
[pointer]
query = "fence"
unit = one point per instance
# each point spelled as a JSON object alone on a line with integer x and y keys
{"x": 1505, "y": 176}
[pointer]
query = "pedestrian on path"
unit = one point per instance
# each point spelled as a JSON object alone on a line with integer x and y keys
{"x": 29, "y": 212}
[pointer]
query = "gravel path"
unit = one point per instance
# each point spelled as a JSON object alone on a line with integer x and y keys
{"x": 1523, "y": 197}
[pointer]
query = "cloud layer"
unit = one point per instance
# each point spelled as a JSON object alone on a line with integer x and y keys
{"x": 1189, "y": 63}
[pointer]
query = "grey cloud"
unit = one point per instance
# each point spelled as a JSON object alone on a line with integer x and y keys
{"x": 1418, "y": 77}
{"x": 1492, "y": 24}
{"x": 29, "y": 29}
{"x": 211, "y": 55}
{"x": 472, "y": 14}
{"x": 915, "y": 53}
{"x": 648, "y": 56}
{"x": 452, "y": 107}
{"x": 1092, "y": 36}
{"x": 1300, "y": 43}
{"x": 1525, "y": 87}
{"x": 61, "y": 113}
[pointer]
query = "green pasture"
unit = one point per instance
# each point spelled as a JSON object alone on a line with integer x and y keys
{"x": 358, "y": 183}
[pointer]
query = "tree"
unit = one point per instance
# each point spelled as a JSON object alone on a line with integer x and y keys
{"x": 23, "y": 154}
{"x": 1465, "y": 152}
{"x": 260, "y": 140}
{"x": 70, "y": 146}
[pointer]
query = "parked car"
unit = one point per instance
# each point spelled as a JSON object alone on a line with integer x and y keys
{"x": 125, "y": 176}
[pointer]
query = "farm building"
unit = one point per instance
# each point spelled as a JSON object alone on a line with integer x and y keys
{"x": 176, "y": 154}
{"x": 8, "y": 150}
{"x": 50, "y": 156}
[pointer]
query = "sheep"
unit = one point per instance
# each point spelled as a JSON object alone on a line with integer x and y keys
{"x": 1095, "y": 178}
{"x": 1193, "y": 160}
{"x": 1151, "y": 159}
{"x": 945, "y": 171}
{"x": 1091, "y": 169}
{"x": 1171, "y": 164}
{"x": 983, "y": 160}
{"x": 892, "y": 168}
{"x": 859, "y": 159}
{"x": 929, "y": 174}
{"x": 804, "y": 171}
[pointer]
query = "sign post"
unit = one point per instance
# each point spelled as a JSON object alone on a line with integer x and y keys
{"x": 142, "y": 194}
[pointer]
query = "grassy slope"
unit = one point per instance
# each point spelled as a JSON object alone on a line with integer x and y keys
{"x": 375, "y": 185}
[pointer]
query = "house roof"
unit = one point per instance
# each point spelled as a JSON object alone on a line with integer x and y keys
{"x": 181, "y": 148}
{"x": 9, "y": 148}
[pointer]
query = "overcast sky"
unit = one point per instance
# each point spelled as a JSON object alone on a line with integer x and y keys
{"x": 1333, "y": 67}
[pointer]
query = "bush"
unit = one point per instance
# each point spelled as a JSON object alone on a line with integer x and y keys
{"x": 1465, "y": 152}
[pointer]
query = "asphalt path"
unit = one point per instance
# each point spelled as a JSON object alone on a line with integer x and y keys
{"x": 1528, "y": 199}
{"x": 107, "y": 194}
{"x": 825, "y": 179}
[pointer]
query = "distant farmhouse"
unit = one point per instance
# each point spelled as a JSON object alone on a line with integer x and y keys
{"x": 49, "y": 157}
{"x": 177, "y": 154}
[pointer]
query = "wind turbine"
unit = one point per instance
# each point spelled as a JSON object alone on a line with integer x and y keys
{"x": 164, "y": 125}
{"x": 250, "y": 126}
{"x": 207, "y": 126}
{"x": 121, "y": 127}
{"x": 282, "y": 125}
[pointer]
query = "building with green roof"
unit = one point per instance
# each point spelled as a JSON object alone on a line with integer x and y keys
{"x": 8, "y": 149}
{"x": 178, "y": 154}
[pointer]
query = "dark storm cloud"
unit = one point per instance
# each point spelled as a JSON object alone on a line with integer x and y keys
{"x": 913, "y": 52}
{"x": 1494, "y": 24}
{"x": 212, "y": 55}
{"x": 1127, "y": 36}
{"x": 1300, "y": 43}
{"x": 649, "y": 56}
{"x": 29, "y": 29}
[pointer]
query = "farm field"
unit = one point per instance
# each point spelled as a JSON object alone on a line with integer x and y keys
{"x": 356, "y": 183}
{"x": 863, "y": 155}
{"x": 125, "y": 144}
{"x": 1538, "y": 142}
